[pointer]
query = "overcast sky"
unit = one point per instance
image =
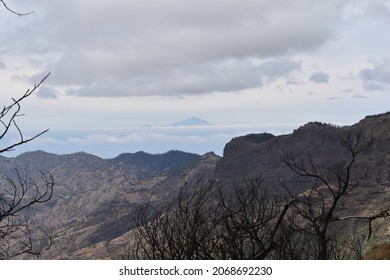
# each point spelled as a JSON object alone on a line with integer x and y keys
{"x": 124, "y": 70}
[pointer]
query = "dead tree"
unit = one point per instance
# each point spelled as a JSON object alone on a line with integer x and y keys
{"x": 209, "y": 220}
{"x": 19, "y": 234}
{"x": 182, "y": 228}
{"x": 251, "y": 221}
{"x": 316, "y": 209}
{"x": 19, "y": 192}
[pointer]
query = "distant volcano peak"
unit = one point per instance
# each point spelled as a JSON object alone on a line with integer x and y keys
{"x": 193, "y": 121}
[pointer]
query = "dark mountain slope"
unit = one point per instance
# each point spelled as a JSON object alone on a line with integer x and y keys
{"x": 152, "y": 164}
{"x": 93, "y": 200}
{"x": 251, "y": 155}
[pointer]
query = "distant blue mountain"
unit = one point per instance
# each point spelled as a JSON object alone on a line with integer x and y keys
{"x": 191, "y": 122}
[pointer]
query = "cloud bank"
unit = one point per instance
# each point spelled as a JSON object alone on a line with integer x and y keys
{"x": 320, "y": 77}
{"x": 376, "y": 77}
{"x": 150, "y": 47}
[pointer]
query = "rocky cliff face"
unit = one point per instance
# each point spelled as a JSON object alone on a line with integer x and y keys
{"x": 251, "y": 155}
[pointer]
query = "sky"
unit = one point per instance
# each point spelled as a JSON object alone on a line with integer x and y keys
{"x": 122, "y": 71}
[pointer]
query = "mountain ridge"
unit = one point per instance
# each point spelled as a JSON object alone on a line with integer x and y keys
{"x": 250, "y": 154}
{"x": 94, "y": 198}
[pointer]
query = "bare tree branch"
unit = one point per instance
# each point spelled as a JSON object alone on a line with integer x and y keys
{"x": 371, "y": 218}
{"x": 16, "y": 13}
{"x": 317, "y": 207}
{"x": 18, "y": 235}
{"x": 8, "y": 117}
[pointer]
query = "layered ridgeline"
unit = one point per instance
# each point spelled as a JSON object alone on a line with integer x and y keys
{"x": 90, "y": 214}
{"x": 93, "y": 198}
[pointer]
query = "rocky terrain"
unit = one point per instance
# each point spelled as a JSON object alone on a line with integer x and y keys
{"x": 93, "y": 198}
{"x": 90, "y": 214}
{"x": 251, "y": 155}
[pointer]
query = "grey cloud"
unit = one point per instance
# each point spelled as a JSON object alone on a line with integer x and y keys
{"x": 359, "y": 96}
{"x": 250, "y": 28}
{"x": 47, "y": 93}
{"x": 202, "y": 79}
{"x": 377, "y": 9}
{"x": 279, "y": 67}
{"x": 293, "y": 81}
{"x": 319, "y": 77}
{"x": 351, "y": 92}
{"x": 2, "y": 65}
{"x": 152, "y": 40}
{"x": 373, "y": 86}
{"x": 376, "y": 77}
{"x": 348, "y": 90}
